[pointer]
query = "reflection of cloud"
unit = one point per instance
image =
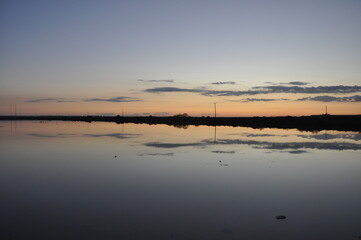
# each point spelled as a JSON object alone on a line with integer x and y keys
{"x": 326, "y": 136}
{"x": 296, "y": 151}
{"x": 115, "y": 99}
{"x": 226, "y": 152}
{"x": 356, "y": 98}
{"x": 157, "y": 154}
{"x": 156, "y": 81}
{"x": 340, "y": 89}
{"x": 114, "y": 135}
{"x": 38, "y": 100}
{"x": 222, "y": 83}
{"x": 59, "y": 135}
{"x": 290, "y": 145}
{"x": 263, "y": 144}
{"x": 256, "y": 135}
{"x": 172, "y": 145}
{"x": 298, "y": 83}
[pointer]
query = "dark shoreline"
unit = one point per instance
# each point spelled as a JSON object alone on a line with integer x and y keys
{"x": 304, "y": 123}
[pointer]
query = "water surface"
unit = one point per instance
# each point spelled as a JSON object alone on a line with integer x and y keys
{"x": 70, "y": 180}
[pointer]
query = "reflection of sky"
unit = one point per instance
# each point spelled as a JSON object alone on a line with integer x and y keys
{"x": 59, "y": 180}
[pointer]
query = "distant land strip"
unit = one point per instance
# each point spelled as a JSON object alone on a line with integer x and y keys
{"x": 304, "y": 123}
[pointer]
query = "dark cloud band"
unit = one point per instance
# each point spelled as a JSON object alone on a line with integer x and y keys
{"x": 356, "y": 98}
{"x": 39, "y": 100}
{"x": 222, "y": 83}
{"x": 340, "y": 89}
{"x": 115, "y": 99}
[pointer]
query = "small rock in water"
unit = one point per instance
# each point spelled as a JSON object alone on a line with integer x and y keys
{"x": 115, "y": 156}
{"x": 280, "y": 217}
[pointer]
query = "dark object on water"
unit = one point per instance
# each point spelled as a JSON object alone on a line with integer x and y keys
{"x": 278, "y": 217}
{"x": 115, "y": 156}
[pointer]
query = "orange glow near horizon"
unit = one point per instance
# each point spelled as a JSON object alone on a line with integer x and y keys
{"x": 194, "y": 106}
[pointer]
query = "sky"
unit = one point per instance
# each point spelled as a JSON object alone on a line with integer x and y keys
{"x": 160, "y": 58}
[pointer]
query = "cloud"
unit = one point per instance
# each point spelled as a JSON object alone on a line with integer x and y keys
{"x": 157, "y": 81}
{"x": 224, "y": 152}
{"x": 161, "y": 114}
{"x": 356, "y": 98}
{"x": 222, "y": 83}
{"x": 63, "y": 100}
{"x": 340, "y": 89}
{"x": 258, "y": 100}
{"x": 38, "y": 100}
{"x": 298, "y": 83}
{"x": 113, "y": 135}
{"x": 115, "y": 99}
{"x": 172, "y": 89}
{"x": 105, "y": 114}
{"x": 313, "y": 90}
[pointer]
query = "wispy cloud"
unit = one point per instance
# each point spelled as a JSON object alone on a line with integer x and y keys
{"x": 172, "y": 89}
{"x": 340, "y": 89}
{"x": 311, "y": 90}
{"x": 115, "y": 99}
{"x": 224, "y": 152}
{"x": 222, "y": 83}
{"x": 297, "y": 83}
{"x": 64, "y": 100}
{"x": 157, "y": 81}
{"x": 356, "y": 98}
{"x": 39, "y": 100}
{"x": 161, "y": 114}
{"x": 259, "y": 100}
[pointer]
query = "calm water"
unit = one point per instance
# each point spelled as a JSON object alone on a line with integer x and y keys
{"x": 61, "y": 180}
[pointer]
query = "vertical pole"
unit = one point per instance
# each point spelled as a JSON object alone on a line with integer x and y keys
{"x": 215, "y": 110}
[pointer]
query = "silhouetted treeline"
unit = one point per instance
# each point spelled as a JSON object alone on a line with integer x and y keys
{"x": 309, "y": 123}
